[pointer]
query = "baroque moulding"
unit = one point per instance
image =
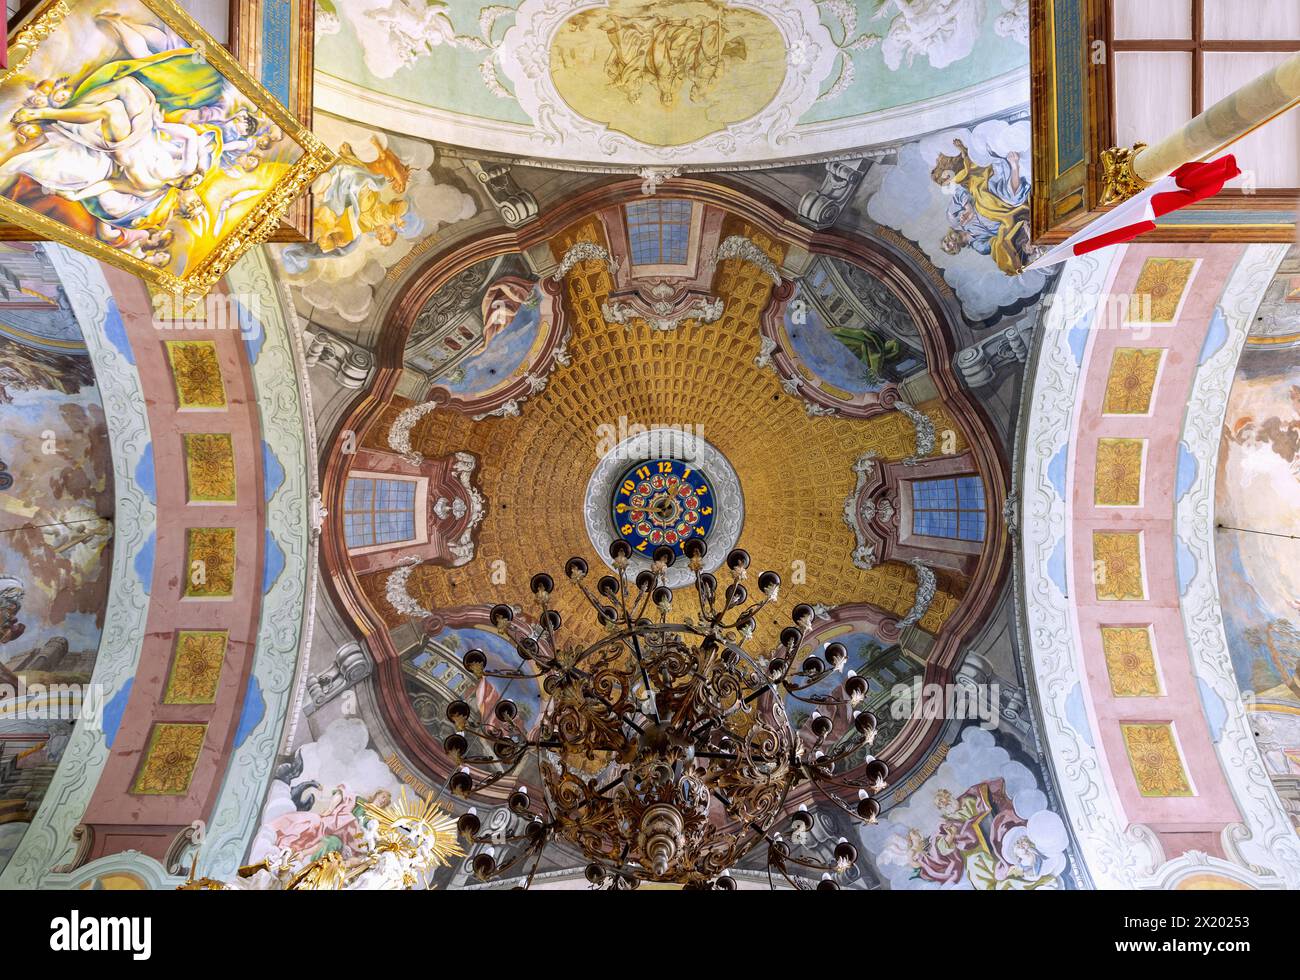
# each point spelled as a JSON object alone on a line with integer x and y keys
{"x": 924, "y": 433}
{"x": 653, "y": 177}
{"x": 861, "y": 509}
{"x": 745, "y": 249}
{"x": 150, "y": 873}
{"x": 772, "y": 353}
{"x": 926, "y": 586}
{"x": 350, "y": 666}
{"x": 350, "y": 363}
{"x": 524, "y": 56}
{"x": 1265, "y": 842}
{"x": 515, "y": 205}
{"x": 585, "y": 252}
{"x": 396, "y": 593}
{"x": 49, "y": 840}
{"x": 286, "y": 615}
{"x": 1115, "y": 854}
{"x": 525, "y": 145}
{"x": 821, "y": 208}
{"x": 462, "y": 549}
{"x": 667, "y": 308}
{"x": 399, "y": 433}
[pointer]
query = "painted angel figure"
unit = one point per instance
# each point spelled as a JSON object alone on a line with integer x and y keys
{"x": 353, "y": 205}
{"x": 942, "y": 31}
{"x": 1013, "y": 21}
{"x": 395, "y": 34}
{"x": 11, "y": 604}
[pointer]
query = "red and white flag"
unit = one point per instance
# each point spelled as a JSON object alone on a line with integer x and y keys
{"x": 1188, "y": 184}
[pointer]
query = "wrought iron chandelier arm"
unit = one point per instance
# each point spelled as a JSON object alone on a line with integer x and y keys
{"x": 513, "y": 675}
{"x": 811, "y": 865}
{"x": 496, "y": 777}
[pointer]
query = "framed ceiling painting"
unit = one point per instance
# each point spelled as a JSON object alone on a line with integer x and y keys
{"x": 1106, "y": 76}
{"x": 128, "y": 133}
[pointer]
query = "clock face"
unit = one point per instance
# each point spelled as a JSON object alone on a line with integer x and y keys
{"x": 662, "y": 503}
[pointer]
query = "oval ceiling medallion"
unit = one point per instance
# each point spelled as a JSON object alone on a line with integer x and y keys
{"x": 668, "y": 74}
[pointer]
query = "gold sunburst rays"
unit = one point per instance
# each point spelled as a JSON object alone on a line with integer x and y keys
{"x": 417, "y": 819}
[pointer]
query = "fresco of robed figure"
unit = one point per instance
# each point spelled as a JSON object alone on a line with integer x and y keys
{"x": 989, "y": 211}
{"x": 119, "y": 129}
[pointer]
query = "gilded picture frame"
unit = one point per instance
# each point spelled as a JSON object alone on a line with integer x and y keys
{"x": 144, "y": 143}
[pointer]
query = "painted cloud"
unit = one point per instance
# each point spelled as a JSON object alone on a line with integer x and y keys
{"x": 370, "y": 211}
{"x": 962, "y": 243}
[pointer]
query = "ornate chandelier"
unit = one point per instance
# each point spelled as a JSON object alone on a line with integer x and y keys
{"x": 665, "y": 751}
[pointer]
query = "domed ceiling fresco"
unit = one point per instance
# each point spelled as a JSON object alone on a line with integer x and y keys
{"x": 596, "y": 278}
{"x": 697, "y": 81}
{"x": 56, "y": 526}
{"x": 1257, "y": 505}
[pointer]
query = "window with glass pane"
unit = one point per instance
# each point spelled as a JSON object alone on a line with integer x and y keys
{"x": 659, "y": 232}
{"x": 1175, "y": 58}
{"x": 949, "y": 508}
{"x": 377, "y": 511}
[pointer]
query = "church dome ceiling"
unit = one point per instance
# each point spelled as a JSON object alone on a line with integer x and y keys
{"x": 539, "y": 400}
{"x": 593, "y": 278}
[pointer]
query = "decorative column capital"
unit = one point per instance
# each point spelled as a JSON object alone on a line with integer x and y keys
{"x": 1119, "y": 180}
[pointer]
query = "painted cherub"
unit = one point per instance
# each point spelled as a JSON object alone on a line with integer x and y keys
{"x": 386, "y": 165}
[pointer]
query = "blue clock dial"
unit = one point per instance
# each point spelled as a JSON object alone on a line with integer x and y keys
{"x": 662, "y": 503}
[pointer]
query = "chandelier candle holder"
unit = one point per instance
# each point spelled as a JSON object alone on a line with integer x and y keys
{"x": 665, "y": 752}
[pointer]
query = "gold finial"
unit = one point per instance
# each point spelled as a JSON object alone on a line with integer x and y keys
{"x": 1119, "y": 180}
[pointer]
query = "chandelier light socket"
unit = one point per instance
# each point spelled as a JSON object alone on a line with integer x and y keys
{"x": 469, "y": 824}
{"x": 461, "y": 783}
{"x": 837, "y": 654}
{"x": 455, "y": 745}
{"x": 458, "y": 713}
{"x": 791, "y": 637}
{"x": 542, "y": 586}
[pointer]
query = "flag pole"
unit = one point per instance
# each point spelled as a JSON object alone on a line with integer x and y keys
{"x": 1128, "y": 170}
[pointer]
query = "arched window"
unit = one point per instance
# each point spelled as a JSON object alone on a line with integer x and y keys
{"x": 949, "y": 508}
{"x": 378, "y": 511}
{"x": 659, "y": 232}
